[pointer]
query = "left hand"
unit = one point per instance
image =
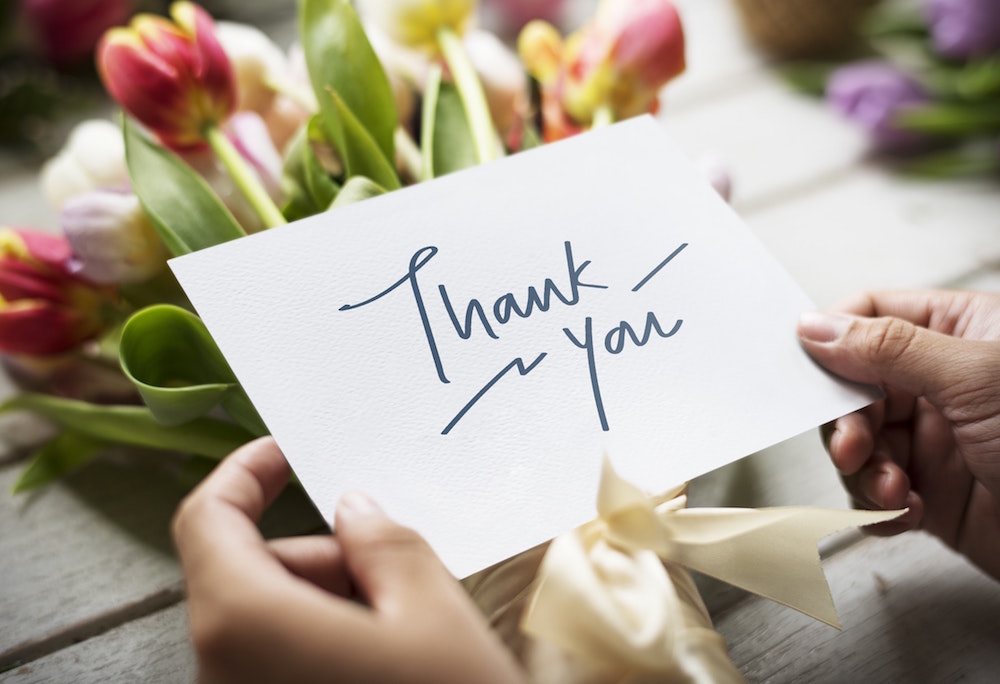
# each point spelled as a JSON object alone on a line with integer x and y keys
{"x": 373, "y": 603}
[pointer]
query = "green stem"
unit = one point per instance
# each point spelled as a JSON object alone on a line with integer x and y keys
{"x": 470, "y": 90}
{"x": 243, "y": 176}
{"x": 603, "y": 117}
{"x": 408, "y": 153}
{"x": 431, "y": 91}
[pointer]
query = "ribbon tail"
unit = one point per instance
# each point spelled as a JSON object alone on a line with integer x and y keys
{"x": 770, "y": 551}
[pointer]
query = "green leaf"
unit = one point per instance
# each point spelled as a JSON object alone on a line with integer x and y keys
{"x": 361, "y": 155}
{"x": 178, "y": 369}
{"x": 951, "y": 118}
{"x": 60, "y": 456}
{"x": 446, "y": 137}
{"x": 454, "y": 148}
{"x": 808, "y": 77}
{"x": 980, "y": 79}
{"x": 133, "y": 425}
{"x": 184, "y": 210}
{"x": 305, "y": 182}
{"x": 974, "y": 160}
{"x": 340, "y": 59}
{"x": 357, "y": 189}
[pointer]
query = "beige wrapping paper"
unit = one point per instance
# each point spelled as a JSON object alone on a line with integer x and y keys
{"x": 611, "y": 601}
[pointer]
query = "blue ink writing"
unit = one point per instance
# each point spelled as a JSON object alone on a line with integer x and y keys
{"x": 507, "y": 305}
{"x": 657, "y": 269}
{"x": 516, "y": 363}
{"x": 614, "y": 343}
{"x": 417, "y": 261}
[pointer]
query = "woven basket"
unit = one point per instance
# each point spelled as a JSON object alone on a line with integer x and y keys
{"x": 803, "y": 28}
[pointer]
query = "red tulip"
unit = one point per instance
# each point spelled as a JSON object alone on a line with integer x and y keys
{"x": 66, "y": 31}
{"x": 174, "y": 77}
{"x": 44, "y": 308}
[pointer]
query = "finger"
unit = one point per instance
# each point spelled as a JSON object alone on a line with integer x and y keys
{"x": 851, "y": 442}
{"x": 925, "y": 308}
{"x": 889, "y": 352}
{"x": 317, "y": 559}
{"x": 217, "y": 521}
{"x": 910, "y": 520}
{"x": 392, "y": 566}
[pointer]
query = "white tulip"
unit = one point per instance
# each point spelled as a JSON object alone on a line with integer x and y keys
{"x": 258, "y": 64}
{"x": 501, "y": 74}
{"x": 112, "y": 238}
{"x": 93, "y": 157}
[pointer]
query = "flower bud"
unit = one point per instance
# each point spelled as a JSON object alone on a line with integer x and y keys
{"x": 174, "y": 77}
{"x": 257, "y": 64}
{"x": 624, "y": 57}
{"x": 65, "y": 32}
{"x": 415, "y": 23}
{"x": 871, "y": 93}
{"x": 964, "y": 29}
{"x": 501, "y": 74}
{"x": 45, "y": 308}
{"x": 93, "y": 157}
{"x": 517, "y": 13}
{"x": 112, "y": 239}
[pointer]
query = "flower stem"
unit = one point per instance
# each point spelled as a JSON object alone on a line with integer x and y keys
{"x": 431, "y": 88}
{"x": 603, "y": 117}
{"x": 470, "y": 90}
{"x": 245, "y": 180}
{"x": 408, "y": 153}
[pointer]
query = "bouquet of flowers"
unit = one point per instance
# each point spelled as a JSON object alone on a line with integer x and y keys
{"x": 224, "y": 134}
{"x": 931, "y": 96}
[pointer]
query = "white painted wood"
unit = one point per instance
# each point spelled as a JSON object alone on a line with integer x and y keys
{"x": 911, "y": 610}
{"x": 875, "y": 230}
{"x": 151, "y": 649}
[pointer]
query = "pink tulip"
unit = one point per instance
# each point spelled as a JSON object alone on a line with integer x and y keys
{"x": 44, "y": 308}
{"x": 174, "y": 77}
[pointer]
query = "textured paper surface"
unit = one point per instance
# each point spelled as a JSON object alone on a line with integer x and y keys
{"x": 394, "y": 398}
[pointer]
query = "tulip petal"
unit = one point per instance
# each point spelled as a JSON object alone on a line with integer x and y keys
{"x": 30, "y": 327}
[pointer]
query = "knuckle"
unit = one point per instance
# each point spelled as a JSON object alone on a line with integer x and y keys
{"x": 888, "y": 340}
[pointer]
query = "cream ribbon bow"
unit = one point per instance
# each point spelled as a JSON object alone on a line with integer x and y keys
{"x": 603, "y": 592}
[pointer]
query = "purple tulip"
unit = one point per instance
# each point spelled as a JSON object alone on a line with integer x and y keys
{"x": 964, "y": 29}
{"x": 871, "y": 93}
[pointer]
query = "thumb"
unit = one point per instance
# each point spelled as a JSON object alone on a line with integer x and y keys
{"x": 391, "y": 565}
{"x": 883, "y": 351}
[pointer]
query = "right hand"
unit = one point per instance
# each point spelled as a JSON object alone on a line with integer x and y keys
{"x": 933, "y": 444}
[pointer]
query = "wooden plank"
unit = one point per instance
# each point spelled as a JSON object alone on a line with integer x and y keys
{"x": 775, "y": 142}
{"x": 151, "y": 649}
{"x": 911, "y": 611}
{"x": 94, "y": 545}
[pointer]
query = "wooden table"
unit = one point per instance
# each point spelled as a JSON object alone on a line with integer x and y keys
{"x": 91, "y": 590}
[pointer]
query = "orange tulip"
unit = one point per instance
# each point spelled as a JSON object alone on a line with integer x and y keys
{"x": 174, "y": 77}
{"x": 616, "y": 64}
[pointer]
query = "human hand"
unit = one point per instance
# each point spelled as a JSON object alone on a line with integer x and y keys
{"x": 372, "y": 603}
{"x": 933, "y": 444}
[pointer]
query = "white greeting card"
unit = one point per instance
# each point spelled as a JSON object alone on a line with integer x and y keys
{"x": 465, "y": 350}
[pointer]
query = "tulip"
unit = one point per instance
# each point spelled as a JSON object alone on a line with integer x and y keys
{"x": 111, "y": 237}
{"x": 93, "y": 157}
{"x": 174, "y": 77}
{"x": 65, "y": 32}
{"x": 416, "y": 23}
{"x": 612, "y": 68}
{"x": 871, "y": 94}
{"x": 964, "y": 29}
{"x": 519, "y": 12}
{"x": 502, "y": 76}
{"x": 45, "y": 308}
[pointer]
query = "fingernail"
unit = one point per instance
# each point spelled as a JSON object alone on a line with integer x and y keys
{"x": 819, "y": 326}
{"x": 357, "y": 504}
